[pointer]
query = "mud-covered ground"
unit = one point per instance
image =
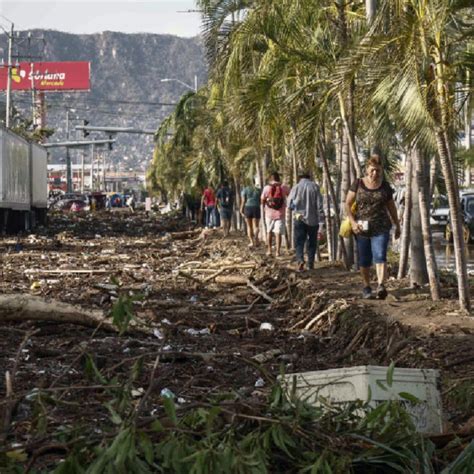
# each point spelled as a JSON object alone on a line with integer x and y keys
{"x": 203, "y": 300}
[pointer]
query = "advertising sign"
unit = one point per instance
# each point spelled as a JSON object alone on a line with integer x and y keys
{"x": 48, "y": 76}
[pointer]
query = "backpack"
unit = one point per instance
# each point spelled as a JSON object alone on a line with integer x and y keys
{"x": 226, "y": 200}
{"x": 275, "y": 200}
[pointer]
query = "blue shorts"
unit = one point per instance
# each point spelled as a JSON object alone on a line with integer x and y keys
{"x": 373, "y": 249}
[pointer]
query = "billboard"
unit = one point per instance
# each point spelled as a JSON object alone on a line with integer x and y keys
{"x": 48, "y": 76}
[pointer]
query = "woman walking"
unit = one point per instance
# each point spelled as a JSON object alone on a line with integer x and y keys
{"x": 250, "y": 209}
{"x": 372, "y": 223}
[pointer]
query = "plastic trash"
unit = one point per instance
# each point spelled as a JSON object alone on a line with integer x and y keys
{"x": 267, "y": 327}
{"x": 167, "y": 393}
{"x": 193, "y": 299}
{"x": 197, "y": 332}
{"x": 36, "y": 285}
{"x": 157, "y": 333}
{"x": 260, "y": 383}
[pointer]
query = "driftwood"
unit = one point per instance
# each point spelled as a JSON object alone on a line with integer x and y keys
{"x": 260, "y": 292}
{"x": 231, "y": 280}
{"x": 66, "y": 271}
{"x": 18, "y": 307}
{"x": 185, "y": 235}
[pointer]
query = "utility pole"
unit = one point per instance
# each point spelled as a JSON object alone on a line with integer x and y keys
{"x": 68, "y": 158}
{"x": 9, "y": 77}
{"x": 92, "y": 167}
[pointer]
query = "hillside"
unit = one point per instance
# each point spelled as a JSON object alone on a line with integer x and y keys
{"x": 124, "y": 68}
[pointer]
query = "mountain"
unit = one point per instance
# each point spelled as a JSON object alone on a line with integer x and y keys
{"x": 125, "y": 69}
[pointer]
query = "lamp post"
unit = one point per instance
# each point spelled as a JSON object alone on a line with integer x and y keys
{"x": 195, "y": 88}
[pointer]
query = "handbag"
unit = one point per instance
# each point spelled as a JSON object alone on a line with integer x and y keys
{"x": 345, "y": 230}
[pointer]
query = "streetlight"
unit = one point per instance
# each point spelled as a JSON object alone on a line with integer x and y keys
{"x": 195, "y": 88}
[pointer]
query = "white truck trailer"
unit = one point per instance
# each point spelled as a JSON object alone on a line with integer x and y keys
{"x": 23, "y": 183}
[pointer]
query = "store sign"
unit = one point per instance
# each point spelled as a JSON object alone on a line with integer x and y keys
{"x": 48, "y": 76}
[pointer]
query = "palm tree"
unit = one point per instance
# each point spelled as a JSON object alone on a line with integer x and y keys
{"x": 410, "y": 63}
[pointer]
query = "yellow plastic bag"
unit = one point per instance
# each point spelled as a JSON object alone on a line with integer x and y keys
{"x": 345, "y": 230}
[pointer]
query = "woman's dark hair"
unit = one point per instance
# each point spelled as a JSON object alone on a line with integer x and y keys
{"x": 275, "y": 176}
{"x": 374, "y": 160}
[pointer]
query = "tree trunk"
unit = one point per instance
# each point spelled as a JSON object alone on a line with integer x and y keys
{"x": 20, "y": 307}
{"x": 350, "y": 136}
{"x": 405, "y": 237}
{"x": 261, "y": 166}
{"x": 433, "y": 176}
{"x": 467, "y": 130}
{"x": 345, "y": 184}
{"x": 443, "y": 118}
{"x": 421, "y": 167}
{"x": 418, "y": 270}
{"x": 333, "y": 196}
{"x": 370, "y": 9}
{"x": 237, "y": 216}
{"x": 456, "y": 222}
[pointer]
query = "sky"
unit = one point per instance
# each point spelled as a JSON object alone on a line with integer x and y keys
{"x": 94, "y": 16}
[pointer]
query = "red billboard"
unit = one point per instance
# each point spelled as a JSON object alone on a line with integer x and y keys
{"x": 50, "y": 76}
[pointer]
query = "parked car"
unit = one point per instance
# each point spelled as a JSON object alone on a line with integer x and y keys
{"x": 70, "y": 202}
{"x": 467, "y": 210}
{"x": 439, "y": 213}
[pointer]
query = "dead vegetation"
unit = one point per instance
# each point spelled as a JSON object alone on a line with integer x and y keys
{"x": 195, "y": 318}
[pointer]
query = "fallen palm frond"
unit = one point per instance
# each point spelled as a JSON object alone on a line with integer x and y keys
{"x": 281, "y": 435}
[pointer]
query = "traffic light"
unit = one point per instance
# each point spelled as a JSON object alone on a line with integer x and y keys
{"x": 84, "y": 131}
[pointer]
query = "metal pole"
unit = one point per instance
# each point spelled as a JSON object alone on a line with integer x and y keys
{"x": 82, "y": 171}
{"x": 103, "y": 174}
{"x": 68, "y": 171}
{"x": 9, "y": 78}
{"x": 195, "y": 83}
{"x": 33, "y": 96}
{"x": 92, "y": 167}
{"x": 68, "y": 158}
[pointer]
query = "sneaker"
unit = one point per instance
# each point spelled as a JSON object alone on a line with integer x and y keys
{"x": 367, "y": 293}
{"x": 300, "y": 267}
{"x": 310, "y": 266}
{"x": 381, "y": 292}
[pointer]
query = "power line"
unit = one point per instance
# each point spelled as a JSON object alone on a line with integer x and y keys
{"x": 52, "y": 99}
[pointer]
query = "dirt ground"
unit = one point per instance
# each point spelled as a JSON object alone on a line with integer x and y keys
{"x": 204, "y": 300}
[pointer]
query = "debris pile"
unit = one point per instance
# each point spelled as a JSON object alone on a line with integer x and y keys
{"x": 195, "y": 319}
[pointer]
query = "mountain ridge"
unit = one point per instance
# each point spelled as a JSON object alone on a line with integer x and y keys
{"x": 124, "y": 67}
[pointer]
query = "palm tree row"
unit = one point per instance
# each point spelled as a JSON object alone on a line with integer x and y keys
{"x": 315, "y": 84}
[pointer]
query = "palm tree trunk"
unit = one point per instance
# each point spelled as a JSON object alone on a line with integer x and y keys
{"x": 467, "y": 130}
{"x": 418, "y": 270}
{"x": 350, "y": 136}
{"x": 449, "y": 175}
{"x": 345, "y": 184}
{"x": 456, "y": 222}
{"x": 421, "y": 175}
{"x": 370, "y": 9}
{"x": 405, "y": 237}
{"x": 433, "y": 174}
{"x": 332, "y": 194}
{"x": 237, "y": 217}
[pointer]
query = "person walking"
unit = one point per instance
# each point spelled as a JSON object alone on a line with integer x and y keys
{"x": 208, "y": 202}
{"x": 225, "y": 203}
{"x": 372, "y": 222}
{"x": 274, "y": 200}
{"x": 307, "y": 204}
{"x": 250, "y": 210}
